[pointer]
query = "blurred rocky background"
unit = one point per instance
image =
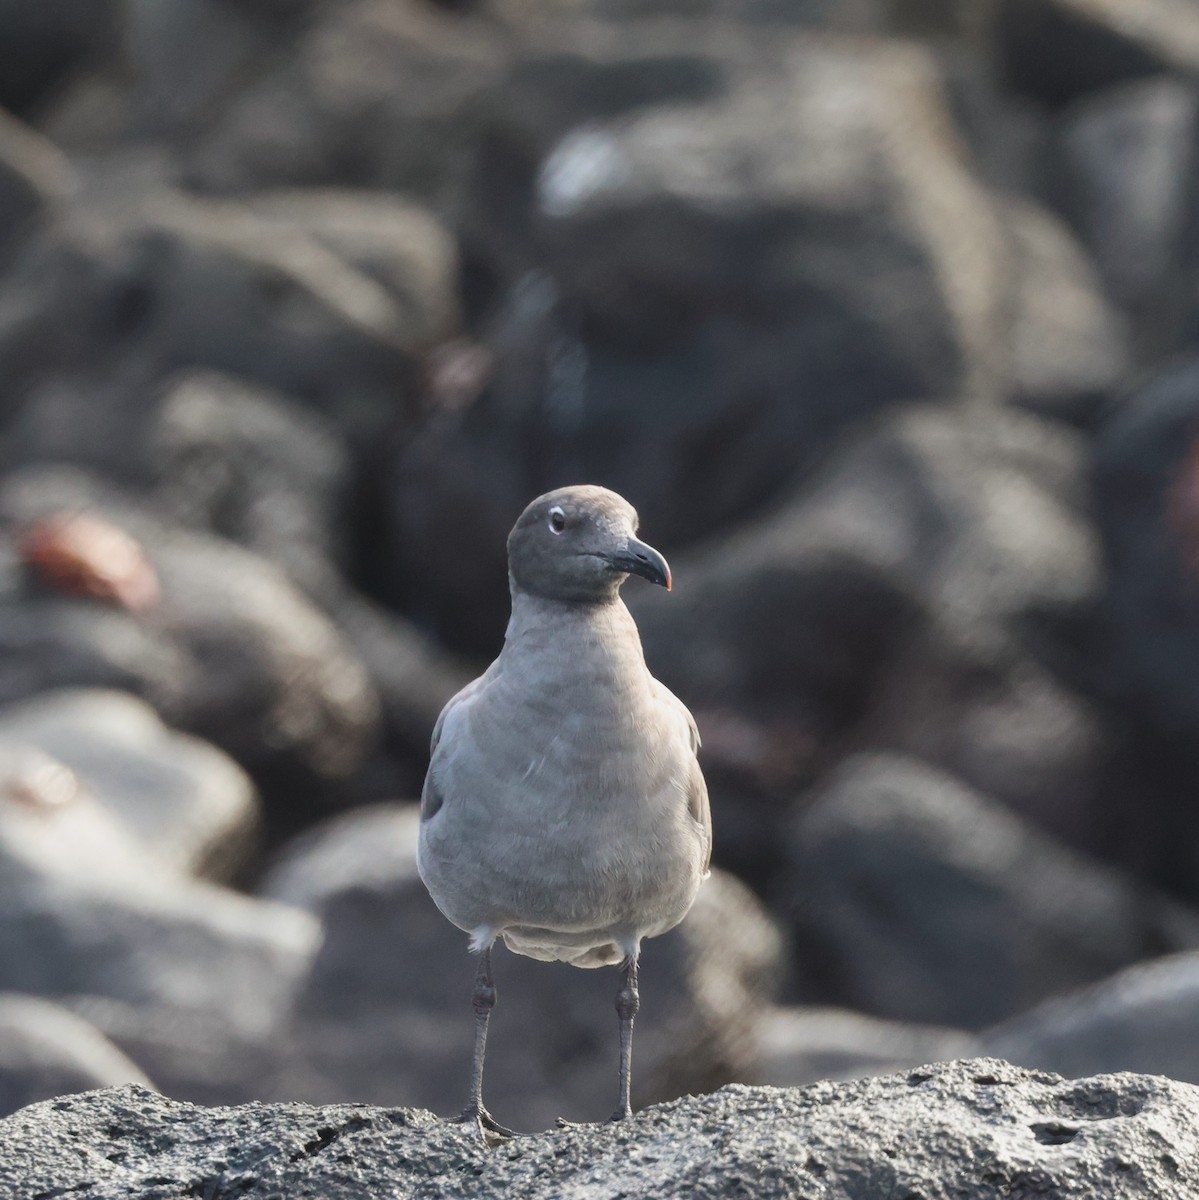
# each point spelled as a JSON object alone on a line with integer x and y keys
{"x": 884, "y": 314}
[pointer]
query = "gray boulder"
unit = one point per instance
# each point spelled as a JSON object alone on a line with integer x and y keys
{"x": 976, "y": 1129}
{"x": 1145, "y": 1018}
{"x": 208, "y": 450}
{"x": 802, "y": 1045}
{"x": 85, "y": 911}
{"x": 185, "y": 55}
{"x": 916, "y": 899}
{"x": 999, "y": 719}
{"x": 978, "y": 518}
{"x": 47, "y": 1051}
{"x": 191, "y": 806}
{"x": 370, "y": 1026}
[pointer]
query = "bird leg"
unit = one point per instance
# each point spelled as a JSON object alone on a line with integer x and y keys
{"x": 628, "y": 1001}
{"x": 483, "y": 1001}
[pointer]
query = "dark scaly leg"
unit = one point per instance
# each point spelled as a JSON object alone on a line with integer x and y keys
{"x": 483, "y": 999}
{"x": 628, "y": 1002}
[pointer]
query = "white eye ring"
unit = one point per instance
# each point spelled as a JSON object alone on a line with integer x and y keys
{"x": 557, "y": 520}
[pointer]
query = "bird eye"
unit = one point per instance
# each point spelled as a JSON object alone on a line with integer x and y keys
{"x": 557, "y": 519}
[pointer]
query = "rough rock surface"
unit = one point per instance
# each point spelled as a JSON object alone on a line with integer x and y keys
{"x": 974, "y": 1129}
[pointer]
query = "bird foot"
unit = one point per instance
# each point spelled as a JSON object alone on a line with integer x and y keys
{"x": 620, "y": 1114}
{"x": 483, "y": 1125}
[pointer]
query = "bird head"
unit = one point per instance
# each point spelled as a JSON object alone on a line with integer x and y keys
{"x": 579, "y": 544}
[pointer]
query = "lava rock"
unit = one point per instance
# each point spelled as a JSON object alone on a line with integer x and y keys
{"x": 1123, "y": 174}
{"x": 370, "y": 1026}
{"x": 802, "y": 1045}
{"x": 919, "y": 900}
{"x": 978, "y": 1129}
{"x": 207, "y": 450}
{"x": 946, "y": 545}
{"x": 85, "y": 911}
{"x": 185, "y": 55}
{"x": 192, "y": 1052}
{"x": 42, "y": 44}
{"x": 996, "y": 717}
{"x": 1068, "y": 348}
{"x": 192, "y": 807}
{"x": 47, "y": 1051}
{"x": 412, "y": 675}
{"x": 1146, "y": 480}
{"x": 369, "y": 94}
{"x": 1058, "y": 50}
{"x": 689, "y": 333}
{"x": 34, "y": 177}
{"x": 248, "y": 465}
{"x": 979, "y": 518}
{"x": 327, "y": 297}
{"x": 1145, "y": 1018}
{"x": 231, "y": 652}
{"x": 214, "y": 453}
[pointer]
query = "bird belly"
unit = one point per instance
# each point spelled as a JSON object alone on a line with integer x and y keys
{"x": 572, "y": 838}
{"x": 577, "y": 882}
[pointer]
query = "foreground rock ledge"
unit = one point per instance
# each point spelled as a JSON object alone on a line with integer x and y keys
{"x": 972, "y": 1128}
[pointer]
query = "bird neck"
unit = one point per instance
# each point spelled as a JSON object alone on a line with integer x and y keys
{"x": 572, "y": 631}
{"x": 538, "y": 617}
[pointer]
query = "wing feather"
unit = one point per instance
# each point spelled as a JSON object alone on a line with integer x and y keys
{"x": 697, "y": 788}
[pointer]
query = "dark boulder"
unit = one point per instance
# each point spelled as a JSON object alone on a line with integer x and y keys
{"x": 42, "y": 45}
{"x": 330, "y": 298}
{"x": 1058, "y": 50}
{"x": 689, "y": 334}
{"x": 916, "y": 899}
{"x": 951, "y": 547}
{"x": 1123, "y": 171}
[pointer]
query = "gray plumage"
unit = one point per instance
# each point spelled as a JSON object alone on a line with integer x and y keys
{"x": 564, "y": 809}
